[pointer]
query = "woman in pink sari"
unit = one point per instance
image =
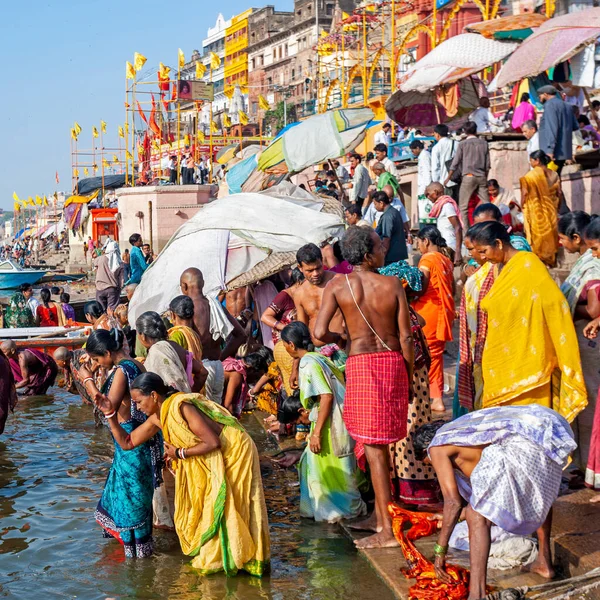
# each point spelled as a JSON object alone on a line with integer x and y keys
{"x": 523, "y": 112}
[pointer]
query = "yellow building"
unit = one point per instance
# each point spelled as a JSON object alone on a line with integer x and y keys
{"x": 236, "y": 55}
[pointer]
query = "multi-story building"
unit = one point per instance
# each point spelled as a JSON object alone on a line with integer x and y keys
{"x": 236, "y": 52}
{"x": 215, "y": 43}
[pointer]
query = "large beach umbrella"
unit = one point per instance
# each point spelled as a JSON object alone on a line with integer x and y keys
{"x": 555, "y": 41}
{"x": 319, "y": 138}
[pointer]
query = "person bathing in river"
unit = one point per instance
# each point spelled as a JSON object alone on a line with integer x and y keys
{"x": 181, "y": 311}
{"x": 125, "y": 508}
{"x": 34, "y": 372}
{"x": 483, "y": 459}
{"x": 211, "y": 451}
{"x": 239, "y": 373}
{"x": 380, "y": 367}
{"x": 327, "y": 470}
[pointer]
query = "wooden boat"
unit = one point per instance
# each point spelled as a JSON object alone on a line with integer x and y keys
{"x": 48, "y": 339}
{"x": 12, "y": 276}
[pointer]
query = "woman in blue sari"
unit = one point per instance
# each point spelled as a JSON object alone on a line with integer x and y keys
{"x": 125, "y": 508}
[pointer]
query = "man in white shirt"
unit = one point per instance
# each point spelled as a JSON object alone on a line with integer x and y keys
{"x": 424, "y": 165}
{"x": 448, "y": 220}
{"x": 385, "y": 135}
{"x": 381, "y": 155}
{"x": 32, "y": 302}
{"x": 341, "y": 171}
{"x": 441, "y": 154}
{"x": 530, "y": 131}
{"x": 483, "y": 117}
{"x": 361, "y": 180}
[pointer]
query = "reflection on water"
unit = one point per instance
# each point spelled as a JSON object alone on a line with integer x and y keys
{"x": 53, "y": 464}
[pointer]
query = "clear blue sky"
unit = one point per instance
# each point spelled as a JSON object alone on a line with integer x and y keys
{"x": 64, "y": 61}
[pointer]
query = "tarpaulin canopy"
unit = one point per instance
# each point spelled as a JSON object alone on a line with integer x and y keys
{"x": 242, "y": 238}
{"x": 91, "y": 184}
{"x": 511, "y": 27}
{"x": 319, "y": 138}
{"x": 555, "y": 41}
{"x": 54, "y": 229}
{"x": 454, "y": 59}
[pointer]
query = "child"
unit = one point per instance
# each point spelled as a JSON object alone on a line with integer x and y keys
{"x": 67, "y": 308}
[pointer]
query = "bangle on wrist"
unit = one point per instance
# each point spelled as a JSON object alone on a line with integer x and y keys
{"x": 87, "y": 379}
{"x": 440, "y": 550}
{"x": 110, "y": 415}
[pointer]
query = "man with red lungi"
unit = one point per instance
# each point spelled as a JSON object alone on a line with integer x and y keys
{"x": 379, "y": 367}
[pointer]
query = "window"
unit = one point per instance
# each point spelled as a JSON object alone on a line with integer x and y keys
{"x": 299, "y": 13}
{"x": 293, "y": 74}
{"x": 286, "y": 49}
{"x": 329, "y": 9}
{"x": 309, "y": 9}
{"x": 253, "y": 63}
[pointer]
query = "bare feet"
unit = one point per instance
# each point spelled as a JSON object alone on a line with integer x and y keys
{"x": 541, "y": 567}
{"x": 595, "y": 499}
{"x": 437, "y": 405}
{"x": 378, "y": 540}
{"x": 368, "y": 524}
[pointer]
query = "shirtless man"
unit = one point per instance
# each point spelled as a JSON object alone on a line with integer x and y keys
{"x": 192, "y": 284}
{"x": 520, "y": 452}
{"x": 380, "y": 366}
{"x": 308, "y": 298}
{"x": 237, "y": 301}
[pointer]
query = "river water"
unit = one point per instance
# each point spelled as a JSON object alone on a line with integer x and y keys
{"x": 53, "y": 464}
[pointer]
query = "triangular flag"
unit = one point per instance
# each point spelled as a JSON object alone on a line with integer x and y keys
{"x": 181, "y": 58}
{"x": 200, "y": 70}
{"x": 77, "y": 128}
{"x": 263, "y": 103}
{"x": 121, "y": 132}
{"x": 30, "y": 201}
{"x": 226, "y": 121}
{"x": 215, "y": 61}
{"x": 45, "y": 200}
{"x": 73, "y": 134}
{"x": 201, "y": 137}
{"x": 243, "y": 117}
{"x": 105, "y": 163}
{"x": 128, "y": 155}
{"x": 15, "y": 197}
{"x": 75, "y": 173}
{"x": 129, "y": 71}
{"x": 86, "y": 172}
{"x": 103, "y": 126}
{"x": 115, "y": 158}
{"x": 16, "y": 207}
{"x": 214, "y": 127}
{"x": 95, "y": 132}
{"x": 38, "y": 200}
{"x": 138, "y": 61}
{"x": 345, "y": 15}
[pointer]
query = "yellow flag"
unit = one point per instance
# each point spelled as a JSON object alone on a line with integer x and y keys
{"x": 244, "y": 89}
{"x": 181, "y": 58}
{"x": 77, "y": 128}
{"x": 263, "y": 103}
{"x": 103, "y": 126}
{"x": 324, "y": 34}
{"x": 115, "y": 158}
{"x": 129, "y": 71}
{"x": 73, "y": 134}
{"x": 226, "y": 121}
{"x": 75, "y": 173}
{"x": 16, "y": 207}
{"x": 163, "y": 71}
{"x": 86, "y": 172}
{"x": 121, "y": 132}
{"x": 95, "y": 132}
{"x": 30, "y": 201}
{"x": 126, "y": 127}
{"x": 214, "y": 127}
{"x": 200, "y": 70}
{"x": 155, "y": 145}
{"x": 105, "y": 163}
{"x": 38, "y": 200}
{"x": 95, "y": 167}
{"x": 228, "y": 91}
{"x": 243, "y": 117}
{"x": 201, "y": 137}
{"x": 215, "y": 61}
{"x": 15, "y": 197}
{"x": 128, "y": 155}
{"x": 45, "y": 200}
{"x": 139, "y": 61}
{"x": 345, "y": 15}
{"x": 24, "y": 203}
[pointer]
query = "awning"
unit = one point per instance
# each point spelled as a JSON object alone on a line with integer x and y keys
{"x": 454, "y": 59}
{"x": 511, "y": 27}
{"x": 54, "y": 229}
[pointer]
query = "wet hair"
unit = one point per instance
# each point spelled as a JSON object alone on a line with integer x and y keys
{"x": 524, "y": 97}
{"x": 152, "y": 326}
{"x": 260, "y": 360}
{"x": 94, "y": 309}
{"x": 541, "y": 156}
{"x": 592, "y": 231}
{"x": 297, "y": 275}
{"x": 380, "y": 148}
{"x": 297, "y": 333}
{"x": 65, "y": 298}
{"x": 101, "y": 341}
{"x": 381, "y": 197}
{"x": 289, "y": 408}
{"x": 309, "y": 254}
{"x": 134, "y": 238}
{"x": 470, "y": 128}
{"x": 442, "y": 130}
{"x": 417, "y": 144}
{"x": 574, "y": 223}
{"x": 530, "y": 124}
{"x": 25, "y": 287}
{"x": 583, "y": 120}
{"x": 488, "y": 209}
{"x": 55, "y": 290}
{"x": 151, "y": 382}
{"x": 354, "y": 209}
{"x": 488, "y": 233}
{"x": 423, "y": 437}
{"x": 182, "y": 306}
{"x": 45, "y": 296}
{"x": 357, "y": 242}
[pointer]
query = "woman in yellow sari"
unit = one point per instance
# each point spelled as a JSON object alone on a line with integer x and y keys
{"x": 183, "y": 332}
{"x": 540, "y": 199}
{"x": 531, "y": 354}
{"x": 220, "y": 512}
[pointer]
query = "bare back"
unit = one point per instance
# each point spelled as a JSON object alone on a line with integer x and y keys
{"x": 211, "y": 349}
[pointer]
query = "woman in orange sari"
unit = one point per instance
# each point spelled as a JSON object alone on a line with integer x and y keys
{"x": 540, "y": 199}
{"x": 436, "y": 305}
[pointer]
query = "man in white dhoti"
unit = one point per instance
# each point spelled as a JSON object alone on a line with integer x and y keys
{"x": 506, "y": 464}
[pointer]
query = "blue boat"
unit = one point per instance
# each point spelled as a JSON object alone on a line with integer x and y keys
{"x": 12, "y": 276}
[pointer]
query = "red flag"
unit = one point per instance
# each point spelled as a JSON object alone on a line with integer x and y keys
{"x": 56, "y": 177}
{"x": 165, "y": 102}
{"x": 174, "y": 92}
{"x": 141, "y": 112}
{"x": 163, "y": 82}
{"x": 153, "y": 124}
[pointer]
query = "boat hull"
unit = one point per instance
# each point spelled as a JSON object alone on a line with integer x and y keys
{"x": 12, "y": 280}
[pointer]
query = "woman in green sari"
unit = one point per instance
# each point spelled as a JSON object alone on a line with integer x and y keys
{"x": 328, "y": 470}
{"x": 18, "y": 313}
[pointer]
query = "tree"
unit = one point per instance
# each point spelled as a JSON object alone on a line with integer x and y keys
{"x": 274, "y": 120}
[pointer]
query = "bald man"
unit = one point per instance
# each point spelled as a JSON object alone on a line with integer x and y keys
{"x": 34, "y": 371}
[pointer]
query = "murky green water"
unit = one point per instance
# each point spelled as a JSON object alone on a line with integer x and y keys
{"x": 53, "y": 464}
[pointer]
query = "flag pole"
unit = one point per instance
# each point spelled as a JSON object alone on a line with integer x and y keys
{"x": 179, "y": 153}
{"x": 133, "y": 129}
{"x": 210, "y": 142}
{"x": 102, "y": 162}
{"x": 126, "y": 132}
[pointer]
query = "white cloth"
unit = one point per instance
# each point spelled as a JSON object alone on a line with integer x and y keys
{"x": 442, "y": 152}
{"x": 164, "y": 361}
{"x": 484, "y": 119}
{"x": 113, "y": 253}
{"x": 390, "y": 167}
{"x": 215, "y": 382}
{"x": 533, "y": 144}
{"x": 372, "y": 216}
{"x": 583, "y": 67}
{"x": 343, "y": 174}
{"x": 360, "y": 183}
{"x": 446, "y": 228}
{"x": 381, "y": 137}
{"x": 220, "y": 326}
{"x": 33, "y": 304}
{"x": 424, "y": 172}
